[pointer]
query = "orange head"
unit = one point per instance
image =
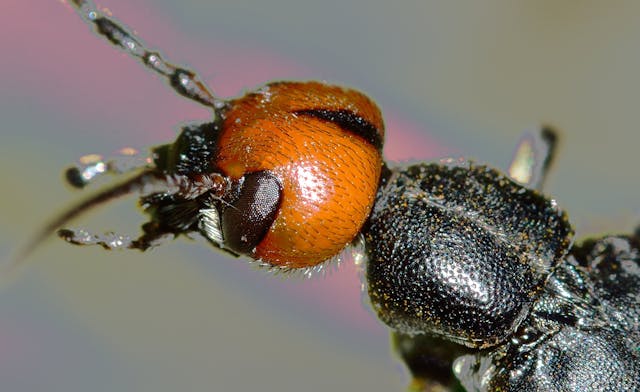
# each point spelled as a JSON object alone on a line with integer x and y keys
{"x": 322, "y": 145}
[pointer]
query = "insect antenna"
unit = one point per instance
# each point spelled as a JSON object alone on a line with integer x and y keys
{"x": 184, "y": 81}
{"x": 92, "y": 166}
{"x": 141, "y": 182}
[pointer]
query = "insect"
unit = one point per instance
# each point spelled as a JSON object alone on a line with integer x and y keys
{"x": 475, "y": 273}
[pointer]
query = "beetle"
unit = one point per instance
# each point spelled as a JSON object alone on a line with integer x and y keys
{"x": 457, "y": 252}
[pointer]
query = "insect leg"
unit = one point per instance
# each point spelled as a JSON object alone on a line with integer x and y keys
{"x": 429, "y": 361}
{"x": 533, "y": 157}
{"x": 184, "y": 81}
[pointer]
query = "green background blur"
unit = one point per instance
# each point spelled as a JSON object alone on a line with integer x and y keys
{"x": 461, "y": 78}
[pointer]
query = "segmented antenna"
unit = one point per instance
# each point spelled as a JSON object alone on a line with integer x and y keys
{"x": 92, "y": 166}
{"x": 184, "y": 81}
{"x": 139, "y": 183}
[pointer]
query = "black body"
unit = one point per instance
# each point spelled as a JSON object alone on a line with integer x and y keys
{"x": 464, "y": 254}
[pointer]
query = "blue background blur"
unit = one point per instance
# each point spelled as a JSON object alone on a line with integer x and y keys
{"x": 450, "y": 78}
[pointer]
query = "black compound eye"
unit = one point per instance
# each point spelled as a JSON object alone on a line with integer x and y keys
{"x": 247, "y": 219}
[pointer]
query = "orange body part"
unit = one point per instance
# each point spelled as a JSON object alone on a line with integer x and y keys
{"x": 329, "y": 176}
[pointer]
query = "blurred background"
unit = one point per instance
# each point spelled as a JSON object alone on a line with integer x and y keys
{"x": 452, "y": 80}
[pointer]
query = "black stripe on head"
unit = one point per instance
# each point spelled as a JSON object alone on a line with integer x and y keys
{"x": 348, "y": 122}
